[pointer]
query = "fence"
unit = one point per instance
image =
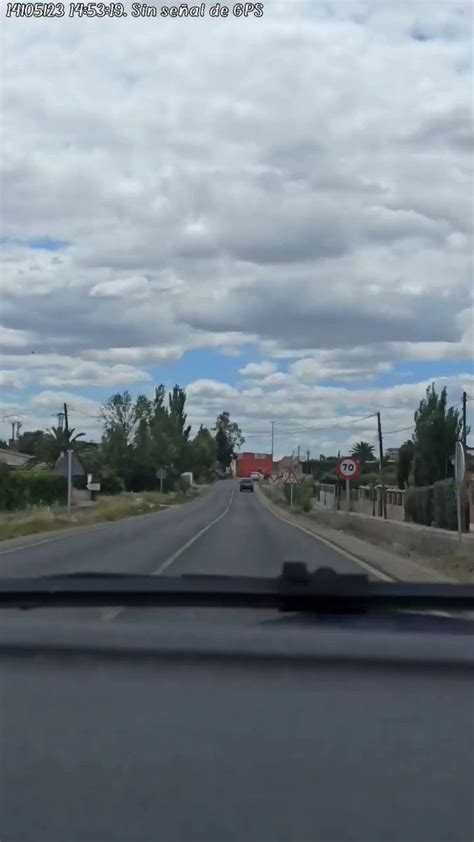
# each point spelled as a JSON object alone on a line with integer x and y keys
{"x": 365, "y": 499}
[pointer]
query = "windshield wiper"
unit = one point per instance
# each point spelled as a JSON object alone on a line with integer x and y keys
{"x": 295, "y": 589}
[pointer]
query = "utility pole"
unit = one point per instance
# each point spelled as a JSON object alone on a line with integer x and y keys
{"x": 273, "y": 435}
{"x": 299, "y": 452}
{"x": 69, "y": 480}
{"x": 15, "y": 424}
{"x": 464, "y": 429}
{"x": 66, "y": 425}
{"x": 383, "y": 501}
{"x": 379, "y": 430}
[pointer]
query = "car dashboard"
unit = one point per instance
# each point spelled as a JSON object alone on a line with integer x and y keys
{"x": 235, "y": 725}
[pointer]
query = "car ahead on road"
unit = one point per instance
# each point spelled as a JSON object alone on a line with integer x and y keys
{"x": 246, "y": 485}
{"x": 256, "y": 476}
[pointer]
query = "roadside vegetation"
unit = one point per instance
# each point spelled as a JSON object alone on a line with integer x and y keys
{"x": 425, "y": 469}
{"x": 139, "y": 436}
{"x": 108, "y": 508}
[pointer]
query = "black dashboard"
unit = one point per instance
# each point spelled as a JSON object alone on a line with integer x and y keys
{"x": 235, "y": 725}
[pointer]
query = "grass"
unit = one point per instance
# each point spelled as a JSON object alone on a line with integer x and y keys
{"x": 46, "y": 519}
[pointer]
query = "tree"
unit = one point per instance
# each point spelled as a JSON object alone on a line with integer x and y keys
{"x": 405, "y": 459}
{"x": 118, "y": 417}
{"x": 143, "y": 435}
{"x": 363, "y": 451}
{"x": 32, "y": 442}
{"x": 56, "y": 441}
{"x": 228, "y": 438}
{"x": 202, "y": 453}
{"x": 436, "y": 431}
{"x": 177, "y": 400}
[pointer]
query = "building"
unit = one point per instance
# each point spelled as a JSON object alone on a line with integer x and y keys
{"x": 392, "y": 454}
{"x": 248, "y": 462}
{"x": 288, "y": 463}
{"x": 14, "y": 459}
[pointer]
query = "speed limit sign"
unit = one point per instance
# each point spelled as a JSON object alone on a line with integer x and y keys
{"x": 347, "y": 468}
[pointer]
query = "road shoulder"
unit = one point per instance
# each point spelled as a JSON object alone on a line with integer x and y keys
{"x": 391, "y": 565}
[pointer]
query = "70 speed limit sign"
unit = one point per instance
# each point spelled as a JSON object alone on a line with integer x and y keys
{"x": 347, "y": 468}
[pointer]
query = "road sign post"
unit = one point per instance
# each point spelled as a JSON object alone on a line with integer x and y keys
{"x": 291, "y": 479}
{"x": 161, "y": 474}
{"x": 347, "y": 468}
{"x": 459, "y": 471}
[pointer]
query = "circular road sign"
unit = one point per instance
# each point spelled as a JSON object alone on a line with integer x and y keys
{"x": 347, "y": 468}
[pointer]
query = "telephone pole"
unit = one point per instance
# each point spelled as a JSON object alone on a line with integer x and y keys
{"x": 15, "y": 424}
{"x": 273, "y": 435}
{"x": 379, "y": 430}
{"x": 383, "y": 500}
{"x": 464, "y": 429}
{"x": 66, "y": 425}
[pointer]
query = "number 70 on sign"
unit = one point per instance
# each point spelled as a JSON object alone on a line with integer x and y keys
{"x": 347, "y": 468}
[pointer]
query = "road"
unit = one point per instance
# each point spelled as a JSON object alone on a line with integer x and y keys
{"x": 224, "y": 531}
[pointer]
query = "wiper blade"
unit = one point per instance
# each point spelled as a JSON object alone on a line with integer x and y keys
{"x": 294, "y": 590}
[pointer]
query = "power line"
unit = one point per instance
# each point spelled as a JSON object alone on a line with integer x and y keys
{"x": 86, "y": 414}
{"x": 401, "y": 430}
{"x": 298, "y": 430}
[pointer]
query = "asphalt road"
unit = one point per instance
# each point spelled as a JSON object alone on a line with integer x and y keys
{"x": 224, "y": 531}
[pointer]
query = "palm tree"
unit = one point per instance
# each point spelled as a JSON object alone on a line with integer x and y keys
{"x": 62, "y": 440}
{"x": 363, "y": 451}
{"x": 55, "y": 442}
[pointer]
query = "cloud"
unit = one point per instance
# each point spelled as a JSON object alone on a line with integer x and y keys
{"x": 262, "y": 182}
{"x": 13, "y": 338}
{"x": 258, "y": 369}
{"x": 13, "y": 379}
{"x": 138, "y": 287}
{"x": 90, "y": 374}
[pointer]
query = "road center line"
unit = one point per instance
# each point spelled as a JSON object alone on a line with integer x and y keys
{"x": 112, "y": 613}
{"x": 169, "y": 561}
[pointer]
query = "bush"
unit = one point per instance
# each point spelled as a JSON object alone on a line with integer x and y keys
{"x": 419, "y": 504}
{"x": 302, "y": 493}
{"x": 20, "y": 489}
{"x": 110, "y": 482}
{"x": 445, "y": 513}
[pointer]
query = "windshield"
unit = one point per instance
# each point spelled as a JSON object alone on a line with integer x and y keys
{"x": 236, "y": 315}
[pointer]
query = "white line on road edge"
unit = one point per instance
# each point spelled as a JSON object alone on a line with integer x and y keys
{"x": 363, "y": 564}
{"x": 33, "y": 544}
{"x": 112, "y": 614}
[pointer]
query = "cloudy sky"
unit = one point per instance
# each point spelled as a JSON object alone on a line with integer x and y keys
{"x": 274, "y": 212}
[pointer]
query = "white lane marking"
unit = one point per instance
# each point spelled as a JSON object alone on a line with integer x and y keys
{"x": 112, "y": 613}
{"x": 169, "y": 561}
{"x": 363, "y": 564}
{"x": 34, "y": 544}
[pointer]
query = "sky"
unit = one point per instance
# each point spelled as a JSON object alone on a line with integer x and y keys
{"x": 273, "y": 212}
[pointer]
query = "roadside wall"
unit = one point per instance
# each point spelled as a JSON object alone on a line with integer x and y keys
{"x": 409, "y": 537}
